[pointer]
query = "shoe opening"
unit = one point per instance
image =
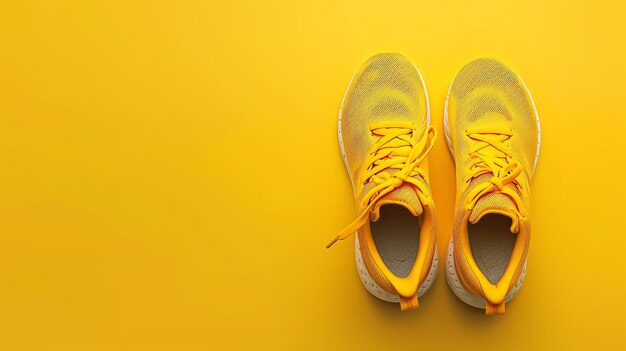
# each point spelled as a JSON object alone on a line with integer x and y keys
{"x": 396, "y": 236}
{"x": 491, "y": 242}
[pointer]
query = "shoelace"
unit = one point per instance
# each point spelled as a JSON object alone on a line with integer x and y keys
{"x": 395, "y": 149}
{"x": 489, "y": 155}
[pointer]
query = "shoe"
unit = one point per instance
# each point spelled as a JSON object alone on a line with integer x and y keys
{"x": 385, "y": 137}
{"x": 492, "y": 129}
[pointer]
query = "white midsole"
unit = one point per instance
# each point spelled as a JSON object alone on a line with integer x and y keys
{"x": 377, "y": 291}
{"x": 459, "y": 290}
{"x": 451, "y": 275}
{"x": 366, "y": 279}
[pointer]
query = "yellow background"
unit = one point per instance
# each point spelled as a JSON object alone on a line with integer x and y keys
{"x": 169, "y": 173}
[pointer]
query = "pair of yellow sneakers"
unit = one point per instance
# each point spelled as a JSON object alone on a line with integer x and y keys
{"x": 492, "y": 129}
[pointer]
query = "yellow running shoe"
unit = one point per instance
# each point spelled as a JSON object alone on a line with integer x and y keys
{"x": 385, "y": 137}
{"x": 492, "y": 129}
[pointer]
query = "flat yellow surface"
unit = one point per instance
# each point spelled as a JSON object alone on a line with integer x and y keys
{"x": 170, "y": 174}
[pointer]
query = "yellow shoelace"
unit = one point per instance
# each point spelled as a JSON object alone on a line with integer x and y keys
{"x": 489, "y": 155}
{"x": 395, "y": 149}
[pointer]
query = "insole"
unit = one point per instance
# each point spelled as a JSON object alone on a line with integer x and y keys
{"x": 396, "y": 235}
{"x": 492, "y": 243}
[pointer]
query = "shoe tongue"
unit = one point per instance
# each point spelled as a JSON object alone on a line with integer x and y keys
{"x": 404, "y": 195}
{"x": 494, "y": 203}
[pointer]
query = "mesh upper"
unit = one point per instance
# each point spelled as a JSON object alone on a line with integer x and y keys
{"x": 486, "y": 94}
{"x": 386, "y": 88}
{"x": 404, "y": 193}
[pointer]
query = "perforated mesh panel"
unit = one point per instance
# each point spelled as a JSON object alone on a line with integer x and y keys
{"x": 386, "y": 88}
{"x": 486, "y": 94}
{"x": 492, "y": 200}
{"x": 404, "y": 193}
